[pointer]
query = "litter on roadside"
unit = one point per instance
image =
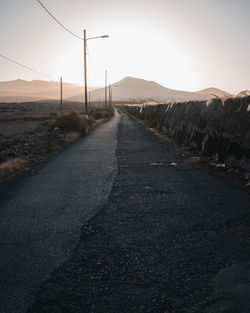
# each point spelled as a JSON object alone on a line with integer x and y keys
{"x": 193, "y": 160}
{"x": 220, "y": 165}
{"x": 156, "y": 164}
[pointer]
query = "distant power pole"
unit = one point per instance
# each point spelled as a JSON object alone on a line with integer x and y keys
{"x": 105, "y": 89}
{"x": 61, "y": 103}
{"x": 109, "y": 96}
{"x": 85, "y": 71}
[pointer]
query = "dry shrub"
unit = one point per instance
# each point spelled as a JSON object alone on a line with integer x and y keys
{"x": 72, "y": 122}
{"x": 100, "y": 113}
{"x": 54, "y": 147}
{"x": 10, "y": 167}
{"x": 71, "y": 137}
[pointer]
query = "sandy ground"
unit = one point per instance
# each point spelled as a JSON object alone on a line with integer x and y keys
{"x": 11, "y": 128}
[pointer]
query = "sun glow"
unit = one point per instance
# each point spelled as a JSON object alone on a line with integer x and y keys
{"x": 185, "y": 45}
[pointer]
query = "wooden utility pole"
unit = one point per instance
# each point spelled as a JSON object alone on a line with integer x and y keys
{"x": 61, "y": 103}
{"x": 109, "y": 96}
{"x": 85, "y": 72}
{"x": 105, "y": 89}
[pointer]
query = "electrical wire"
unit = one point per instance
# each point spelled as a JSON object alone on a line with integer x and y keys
{"x": 54, "y": 18}
{"x": 29, "y": 68}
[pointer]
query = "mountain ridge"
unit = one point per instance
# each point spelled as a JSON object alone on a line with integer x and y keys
{"x": 215, "y": 93}
{"x": 20, "y": 90}
{"x": 137, "y": 89}
{"x": 127, "y": 89}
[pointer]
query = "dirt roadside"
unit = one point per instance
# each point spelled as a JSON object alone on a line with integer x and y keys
{"x": 24, "y": 142}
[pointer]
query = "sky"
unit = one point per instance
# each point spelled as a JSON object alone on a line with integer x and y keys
{"x": 181, "y": 44}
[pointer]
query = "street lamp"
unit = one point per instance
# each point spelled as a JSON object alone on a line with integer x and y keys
{"x": 85, "y": 39}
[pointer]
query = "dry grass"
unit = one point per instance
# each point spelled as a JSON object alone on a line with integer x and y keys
{"x": 10, "y": 167}
{"x": 100, "y": 113}
{"x": 71, "y": 137}
{"x": 150, "y": 123}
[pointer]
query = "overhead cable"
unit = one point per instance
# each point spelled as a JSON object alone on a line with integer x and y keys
{"x": 24, "y": 66}
{"x": 54, "y": 18}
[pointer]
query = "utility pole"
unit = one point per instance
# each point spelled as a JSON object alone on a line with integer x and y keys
{"x": 61, "y": 103}
{"x": 109, "y": 96}
{"x": 105, "y": 89}
{"x": 85, "y": 72}
{"x": 89, "y": 102}
{"x": 85, "y": 67}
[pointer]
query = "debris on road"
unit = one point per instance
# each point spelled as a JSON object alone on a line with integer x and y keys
{"x": 193, "y": 160}
{"x": 156, "y": 164}
{"x": 173, "y": 164}
{"x": 220, "y": 165}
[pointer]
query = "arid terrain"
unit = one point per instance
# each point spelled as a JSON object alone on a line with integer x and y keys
{"x": 29, "y": 131}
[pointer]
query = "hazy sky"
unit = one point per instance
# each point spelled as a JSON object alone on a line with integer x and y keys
{"x": 181, "y": 44}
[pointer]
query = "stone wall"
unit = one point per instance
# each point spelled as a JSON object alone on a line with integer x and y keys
{"x": 218, "y": 130}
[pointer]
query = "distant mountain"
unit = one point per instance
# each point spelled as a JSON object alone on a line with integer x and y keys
{"x": 21, "y": 90}
{"x": 215, "y": 93}
{"x": 243, "y": 94}
{"x": 135, "y": 89}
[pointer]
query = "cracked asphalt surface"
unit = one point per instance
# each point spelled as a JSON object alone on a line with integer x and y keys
{"x": 160, "y": 239}
{"x": 99, "y": 229}
{"x": 42, "y": 213}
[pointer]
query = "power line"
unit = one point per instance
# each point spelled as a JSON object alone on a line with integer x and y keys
{"x": 54, "y": 18}
{"x": 29, "y": 68}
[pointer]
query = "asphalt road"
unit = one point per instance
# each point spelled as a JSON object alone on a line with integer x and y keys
{"x": 41, "y": 216}
{"x": 166, "y": 237}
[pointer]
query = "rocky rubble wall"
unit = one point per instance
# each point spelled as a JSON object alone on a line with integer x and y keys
{"x": 217, "y": 130}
